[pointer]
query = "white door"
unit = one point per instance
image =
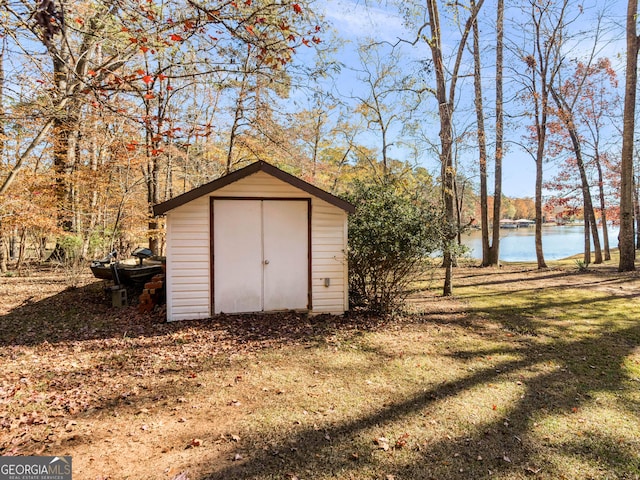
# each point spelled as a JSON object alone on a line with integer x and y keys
{"x": 261, "y": 255}
{"x": 237, "y": 256}
{"x": 286, "y": 255}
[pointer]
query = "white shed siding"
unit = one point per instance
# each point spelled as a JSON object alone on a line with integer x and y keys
{"x": 188, "y": 249}
{"x": 188, "y": 261}
{"x": 260, "y": 184}
{"x": 328, "y": 247}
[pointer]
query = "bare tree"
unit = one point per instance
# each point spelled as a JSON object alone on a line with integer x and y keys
{"x": 490, "y": 251}
{"x": 390, "y": 98}
{"x": 494, "y": 248}
{"x": 445, "y": 92}
{"x": 543, "y": 57}
{"x": 626, "y": 238}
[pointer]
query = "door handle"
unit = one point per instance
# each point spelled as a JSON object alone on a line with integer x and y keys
{"x": 266, "y": 262}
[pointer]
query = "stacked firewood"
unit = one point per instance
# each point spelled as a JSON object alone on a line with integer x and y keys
{"x": 152, "y": 293}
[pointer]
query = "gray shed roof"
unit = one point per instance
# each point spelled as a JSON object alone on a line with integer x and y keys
{"x": 260, "y": 166}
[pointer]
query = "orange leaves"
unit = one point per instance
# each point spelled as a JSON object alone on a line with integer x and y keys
{"x": 297, "y": 8}
{"x": 176, "y": 37}
{"x": 133, "y": 146}
{"x": 147, "y": 79}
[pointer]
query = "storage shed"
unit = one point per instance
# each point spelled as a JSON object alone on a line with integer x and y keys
{"x": 255, "y": 240}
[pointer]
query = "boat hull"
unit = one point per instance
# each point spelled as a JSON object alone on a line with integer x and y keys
{"x": 127, "y": 274}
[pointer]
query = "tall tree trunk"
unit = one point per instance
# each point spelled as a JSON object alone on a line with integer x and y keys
{"x": 603, "y": 208}
{"x": 566, "y": 115}
{"x": 93, "y": 212}
{"x": 626, "y": 237}
{"x": 238, "y": 114}
{"x": 538, "y": 206}
{"x": 494, "y": 249}
{"x": 482, "y": 145}
{"x": 543, "y": 63}
{"x": 446, "y": 140}
{"x": 3, "y": 248}
{"x": 587, "y": 240}
{"x": 65, "y": 132}
{"x": 446, "y": 102}
{"x": 3, "y": 252}
{"x": 636, "y": 198}
{"x": 153, "y": 197}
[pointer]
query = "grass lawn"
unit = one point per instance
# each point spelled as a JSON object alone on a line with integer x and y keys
{"x": 522, "y": 374}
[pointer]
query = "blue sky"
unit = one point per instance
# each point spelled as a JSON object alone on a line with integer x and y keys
{"x": 358, "y": 19}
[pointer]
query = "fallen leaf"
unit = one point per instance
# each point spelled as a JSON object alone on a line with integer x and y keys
{"x": 402, "y": 441}
{"x": 382, "y": 443}
{"x": 532, "y": 471}
{"x": 196, "y": 442}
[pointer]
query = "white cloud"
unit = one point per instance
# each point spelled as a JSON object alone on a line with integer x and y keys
{"x": 356, "y": 19}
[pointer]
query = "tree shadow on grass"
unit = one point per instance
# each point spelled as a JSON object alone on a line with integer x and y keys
{"x": 509, "y": 445}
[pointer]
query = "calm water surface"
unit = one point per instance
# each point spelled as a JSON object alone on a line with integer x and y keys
{"x": 518, "y": 245}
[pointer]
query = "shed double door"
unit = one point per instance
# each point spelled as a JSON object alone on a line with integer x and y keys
{"x": 261, "y": 255}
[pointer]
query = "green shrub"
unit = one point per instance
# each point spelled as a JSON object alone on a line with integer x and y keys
{"x": 71, "y": 245}
{"x": 391, "y": 236}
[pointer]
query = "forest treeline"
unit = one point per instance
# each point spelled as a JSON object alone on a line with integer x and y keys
{"x": 109, "y": 107}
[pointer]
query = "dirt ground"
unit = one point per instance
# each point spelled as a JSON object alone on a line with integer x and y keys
{"x": 130, "y": 396}
{"x": 111, "y": 386}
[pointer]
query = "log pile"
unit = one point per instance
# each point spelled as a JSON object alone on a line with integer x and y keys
{"x": 152, "y": 293}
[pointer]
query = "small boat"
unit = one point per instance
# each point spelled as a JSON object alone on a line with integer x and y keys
{"x": 108, "y": 268}
{"x": 507, "y": 223}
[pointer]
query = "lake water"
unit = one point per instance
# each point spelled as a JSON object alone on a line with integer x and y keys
{"x": 518, "y": 245}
